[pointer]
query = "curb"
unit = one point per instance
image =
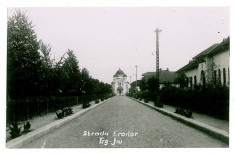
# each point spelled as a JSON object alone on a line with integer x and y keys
{"x": 24, "y": 139}
{"x": 212, "y": 131}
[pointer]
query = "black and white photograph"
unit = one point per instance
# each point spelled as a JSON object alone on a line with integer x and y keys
{"x": 117, "y": 77}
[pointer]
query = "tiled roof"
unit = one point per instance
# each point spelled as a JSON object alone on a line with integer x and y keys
{"x": 191, "y": 65}
{"x": 224, "y": 45}
{"x": 165, "y": 76}
{"x": 215, "y": 48}
{"x": 205, "y": 52}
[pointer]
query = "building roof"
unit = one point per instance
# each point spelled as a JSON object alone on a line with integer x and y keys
{"x": 214, "y": 49}
{"x": 164, "y": 76}
{"x": 119, "y": 73}
{"x": 224, "y": 45}
{"x": 205, "y": 52}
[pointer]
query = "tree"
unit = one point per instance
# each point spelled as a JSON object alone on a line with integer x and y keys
{"x": 47, "y": 66}
{"x": 23, "y": 59}
{"x": 71, "y": 74}
{"x": 85, "y": 81}
{"x": 151, "y": 84}
{"x": 181, "y": 80}
{"x": 143, "y": 85}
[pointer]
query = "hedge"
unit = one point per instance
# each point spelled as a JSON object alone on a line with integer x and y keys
{"x": 212, "y": 100}
{"x": 24, "y": 109}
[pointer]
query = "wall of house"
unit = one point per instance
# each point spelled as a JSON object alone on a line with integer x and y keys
{"x": 221, "y": 61}
{"x": 192, "y": 73}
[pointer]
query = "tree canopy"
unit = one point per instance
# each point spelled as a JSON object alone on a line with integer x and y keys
{"x": 32, "y": 72}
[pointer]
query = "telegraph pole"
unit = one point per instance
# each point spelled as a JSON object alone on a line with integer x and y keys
{"x": 157, "y": 64}
{"x": 136, "y": 77}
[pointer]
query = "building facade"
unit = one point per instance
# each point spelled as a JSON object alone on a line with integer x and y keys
{"x": 120, "y": 85}
{"x": 209, "y": 66}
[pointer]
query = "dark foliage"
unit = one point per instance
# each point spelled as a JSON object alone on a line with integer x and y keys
{"x": 146, "y": 101}
{"x": 86, "y": 105}
{"x": 36, "y": 84}
{"x": 187, "y": 113}
{"x": 213, "y": 100}
{"x": 60, "y": 114}
{"x": 97, "y": 101}
{"x": 15, "y": 130}
{"x": 27, "y": 126}
{"x": 37, "y": 106}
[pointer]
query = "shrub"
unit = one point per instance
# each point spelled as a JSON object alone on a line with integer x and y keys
{"x": 70, "y": 110}
{"x": 86, "y": 105}
{"x": 158, "y": 103}
{"x": 97, "y": 101}
{"x": 15, "y": 130}
{"x": 27, "y": 126}
{"x": 184, "y": 112}
{"x": 102, "y": 99}
{"x": 60, "y": 114}
{"x": 146, "y": 101}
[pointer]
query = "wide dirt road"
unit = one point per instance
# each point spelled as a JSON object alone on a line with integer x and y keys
{"x": 147, "y": 127}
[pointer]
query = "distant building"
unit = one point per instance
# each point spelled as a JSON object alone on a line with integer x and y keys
{"x": 210, "y": 65}
{"x": 165, "y": 76}
{"x": 120, "y": 84}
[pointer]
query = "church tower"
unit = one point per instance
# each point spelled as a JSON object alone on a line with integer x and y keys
{"x": 120, "y": 84}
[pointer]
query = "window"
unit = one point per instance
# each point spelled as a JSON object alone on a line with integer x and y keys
{"x": 203, "y": 78}
{"x": 191, "y": 81}
{"x": 214, "y": 76}
{"x": 224, "y": 76}
{"x": 186, "y": 81}
{"x": 219, "y": 76}
{"x": 195, "y": 80}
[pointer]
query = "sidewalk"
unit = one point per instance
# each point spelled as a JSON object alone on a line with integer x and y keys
{"x": 217, "y": 123}
{"x": 41, "y": 121}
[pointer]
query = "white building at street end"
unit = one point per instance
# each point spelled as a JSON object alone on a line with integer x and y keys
{"x": 210, "y": 65}
{"x": 120, "y": 84}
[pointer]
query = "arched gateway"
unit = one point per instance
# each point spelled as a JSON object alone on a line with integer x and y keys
{"x": 120, "y": 84}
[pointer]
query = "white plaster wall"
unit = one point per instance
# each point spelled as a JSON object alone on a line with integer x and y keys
{"x": 221, "y": 61}
{"x": 192, "y": 73}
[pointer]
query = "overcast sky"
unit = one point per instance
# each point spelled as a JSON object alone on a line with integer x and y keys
{"x": 106, "y": 39}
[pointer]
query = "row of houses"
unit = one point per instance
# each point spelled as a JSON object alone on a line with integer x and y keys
{"x": 209, "y": 66}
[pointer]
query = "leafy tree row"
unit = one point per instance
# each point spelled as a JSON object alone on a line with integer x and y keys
{"x": 31, "y": 72}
